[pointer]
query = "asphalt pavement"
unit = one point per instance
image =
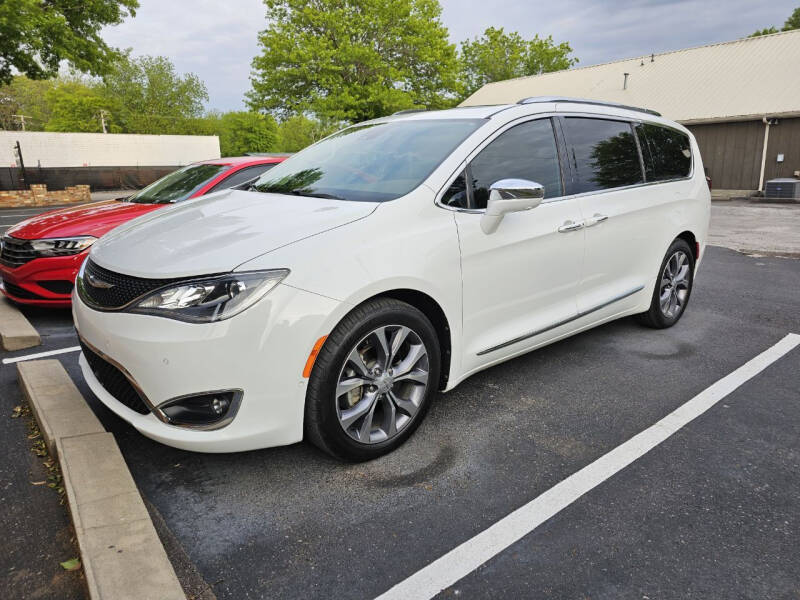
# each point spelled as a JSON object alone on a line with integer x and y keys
{"x": 709, "y": 513}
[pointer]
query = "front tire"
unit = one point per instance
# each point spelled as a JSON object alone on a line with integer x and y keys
{"x": 372, "y": 381}
{"x": 673, "y": 287}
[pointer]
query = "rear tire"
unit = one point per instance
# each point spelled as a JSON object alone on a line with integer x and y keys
{"x": 673, "y": 287}
{"x": 372, "y": 381}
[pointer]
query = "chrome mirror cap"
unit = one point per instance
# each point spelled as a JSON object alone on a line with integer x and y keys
{"x": 507, "y": 196}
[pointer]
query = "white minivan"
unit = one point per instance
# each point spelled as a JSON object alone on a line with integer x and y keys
{"x": 332, "y": 299}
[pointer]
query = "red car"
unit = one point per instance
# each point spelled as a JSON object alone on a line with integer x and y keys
{"x": 40, "y": 257}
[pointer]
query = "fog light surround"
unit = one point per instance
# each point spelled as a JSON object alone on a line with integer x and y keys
{"x": 204, "y": 411}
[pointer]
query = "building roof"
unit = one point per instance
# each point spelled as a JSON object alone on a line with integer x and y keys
{"x": 730, "y": 81}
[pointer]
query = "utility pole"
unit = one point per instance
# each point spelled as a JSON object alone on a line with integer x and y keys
{"x": 18, "y": 156}
{"x": 103, "y": 114}
{"x": 21, "y": 120}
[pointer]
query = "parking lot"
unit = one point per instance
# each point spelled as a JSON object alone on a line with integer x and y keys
{"x": 710, "y": 512}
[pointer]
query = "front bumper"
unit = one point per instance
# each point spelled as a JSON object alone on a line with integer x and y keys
{"x": 28, "y": 279}
{"x": 261, "y": 351}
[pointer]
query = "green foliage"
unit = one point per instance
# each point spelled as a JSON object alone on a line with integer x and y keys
{"x": 151, "y": 96}
{"x": 792, "y": 23}
{"x": 353, "y": 60}
{"x": 240, "y": 131}
{"x": 295, "y": 133}
{"x": 27, "y": 97}
{"x": 498, "y": 55}
{"x": 36, "y": 35}
{"x": 765, "y": 31}
{"x": 76, "y": 107}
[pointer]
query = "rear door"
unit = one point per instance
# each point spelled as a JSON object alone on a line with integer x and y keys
{"x": 521, "y": 281}
{"x": 606, "y": 178}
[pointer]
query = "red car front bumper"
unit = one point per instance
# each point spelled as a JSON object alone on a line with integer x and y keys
{"x": 44, "y": 281}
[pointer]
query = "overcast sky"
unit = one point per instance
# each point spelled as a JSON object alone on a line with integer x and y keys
{"x": 217, "y": 40}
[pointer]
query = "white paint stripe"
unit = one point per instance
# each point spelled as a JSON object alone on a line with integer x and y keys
{"x": 16, "y": 359}
{"x": 470, "y": 555}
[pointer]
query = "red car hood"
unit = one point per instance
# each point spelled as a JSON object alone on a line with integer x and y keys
{"x": 89, "y": 219}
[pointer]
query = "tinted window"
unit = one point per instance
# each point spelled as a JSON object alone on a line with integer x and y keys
{"x": 602, "y": 153}
{"x": 178, "y": 185}
{"x": 373, "y": 162}
{"x": 666, "y": 152}
{"x": 241, "y": 176}
{"x": 527, "y": 151}
{"x": 456, "y": 194}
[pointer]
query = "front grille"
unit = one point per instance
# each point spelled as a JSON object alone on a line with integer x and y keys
{"x": 57, "y": 286}
{"x": 16, "y": 252}
{"x": 115, "y": 289}
{"x": 19, "y": 292}
{"x": 114, "y": 381}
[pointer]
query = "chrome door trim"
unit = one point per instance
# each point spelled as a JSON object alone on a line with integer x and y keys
{"x": 560, "y": 323}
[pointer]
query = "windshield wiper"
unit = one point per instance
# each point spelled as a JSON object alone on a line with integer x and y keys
{"x": 309, "y": 195}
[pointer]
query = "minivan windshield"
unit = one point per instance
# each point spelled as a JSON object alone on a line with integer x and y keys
{"x": 178, "y": 185}
{"x": 374, "y": 162}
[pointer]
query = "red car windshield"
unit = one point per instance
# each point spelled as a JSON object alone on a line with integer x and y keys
{"x": 178, "y": 185}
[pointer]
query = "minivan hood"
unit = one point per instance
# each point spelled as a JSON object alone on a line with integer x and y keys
{"x": 94, "y": 219}
{"x": 218, "y": 232}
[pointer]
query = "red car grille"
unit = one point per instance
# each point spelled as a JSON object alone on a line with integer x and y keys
{"x": 15, "y": 252}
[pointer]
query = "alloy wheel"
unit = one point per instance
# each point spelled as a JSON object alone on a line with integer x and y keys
{"x": 674, "y": 290}
{"x": 382, "y": 384}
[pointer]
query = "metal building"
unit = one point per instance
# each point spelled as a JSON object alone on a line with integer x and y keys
{"x": 741, "y": 99}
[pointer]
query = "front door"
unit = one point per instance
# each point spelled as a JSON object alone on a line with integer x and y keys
{"x": 522, "y": 280}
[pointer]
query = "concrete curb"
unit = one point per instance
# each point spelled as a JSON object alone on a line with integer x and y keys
{"x": 16, "y": 333}
{"x": 122, "y": 555}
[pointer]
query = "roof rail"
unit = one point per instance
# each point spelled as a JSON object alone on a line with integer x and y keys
{"x": 409, "y": 111}
{"x": 538, "y": 99}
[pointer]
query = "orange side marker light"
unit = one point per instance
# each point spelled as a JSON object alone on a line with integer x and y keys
{"x": 313, "y": 356}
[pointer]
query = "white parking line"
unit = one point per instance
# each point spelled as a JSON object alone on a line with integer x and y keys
{"x": 470, "y": 555}
{"x": 16, "y": 359}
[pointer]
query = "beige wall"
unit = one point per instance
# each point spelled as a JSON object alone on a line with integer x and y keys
{"x": 47, "y": 149}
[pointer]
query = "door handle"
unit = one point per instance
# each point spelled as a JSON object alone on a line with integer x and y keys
{"x": 596, "y": 218}
{"x": 570, "y": 226}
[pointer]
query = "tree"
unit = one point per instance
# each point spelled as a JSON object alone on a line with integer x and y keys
{"x": 765, "y": 31}
{"x": 352, "y": 60}
{"x": 26, "y": 97}
{"x": 792, "y": 23}
{"x": 77, "y": 107}
{"x": 498, "y": 55}
{"x": 241, "y": 131}
{"x": 35, "y": 36}
{"x": 295, "y": 133}
{"x": 151, "y": 96}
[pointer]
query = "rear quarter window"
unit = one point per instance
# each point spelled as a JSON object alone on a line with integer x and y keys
{"x": 666, "y": 152}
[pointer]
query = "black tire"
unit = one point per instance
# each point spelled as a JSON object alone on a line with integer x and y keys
{"x": 656, "y": 317}
{"x": 322, "y": 427}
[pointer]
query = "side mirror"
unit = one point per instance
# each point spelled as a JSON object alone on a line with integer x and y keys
{"x": 507, "y": 196}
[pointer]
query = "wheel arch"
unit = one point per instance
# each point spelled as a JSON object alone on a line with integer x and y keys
{"x": 435, "y": 314}
{"x": 690, "y": 239}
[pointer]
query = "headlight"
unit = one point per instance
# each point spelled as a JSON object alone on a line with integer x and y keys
{"x": 211, "y": 299}
{"x": 62, "y": 246}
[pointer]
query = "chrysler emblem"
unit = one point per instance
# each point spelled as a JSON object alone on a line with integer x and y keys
{"x": 98, "y": 283}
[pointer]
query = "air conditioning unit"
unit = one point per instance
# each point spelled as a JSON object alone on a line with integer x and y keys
{"x": 784, "y": 188}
